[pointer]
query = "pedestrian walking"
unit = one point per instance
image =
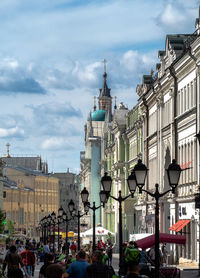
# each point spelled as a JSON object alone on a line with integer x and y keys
{"x": 55, "y": 271}
{"x": 97, "y": 269}
{"x": 73, "y": 248}
{"x": 109, "y": 251}
{"x": 133, "y": 271}
{"x": 50, "y": 260}
{"x": 46, "y": 251}
{"x": 78, "y": 268}
{"x": 28, "y": 259}
{"x": 14, "y": 264}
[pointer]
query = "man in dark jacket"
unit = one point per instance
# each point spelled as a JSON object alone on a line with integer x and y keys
{"x": 133, "y": 271}
{"x": 97, "y": 269}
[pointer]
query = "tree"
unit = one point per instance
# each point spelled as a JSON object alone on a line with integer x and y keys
{"x": 2, "y": 218}
{"x": 10, "y": 227}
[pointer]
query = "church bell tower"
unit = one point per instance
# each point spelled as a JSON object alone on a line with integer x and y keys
{"x": 105, "y": 99}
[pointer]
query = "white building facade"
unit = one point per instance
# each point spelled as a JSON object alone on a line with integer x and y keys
{"x": 170, "y": 105}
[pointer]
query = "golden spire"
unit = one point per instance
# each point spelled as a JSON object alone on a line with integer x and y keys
{"x": 8, "y": 150}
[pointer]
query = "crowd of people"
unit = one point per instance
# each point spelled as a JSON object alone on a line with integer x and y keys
{"x": 21, "y": 258}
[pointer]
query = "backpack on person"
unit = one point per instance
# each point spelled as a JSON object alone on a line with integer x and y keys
{"x": 132, "y": 254}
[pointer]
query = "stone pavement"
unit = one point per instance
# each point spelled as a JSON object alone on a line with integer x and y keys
{"x": 189, "y": 273}
{"x": 37, "y": 270}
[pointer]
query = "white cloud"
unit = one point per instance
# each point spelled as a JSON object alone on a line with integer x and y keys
{"x": 61, "y": 48}
{"x": 14, "y": 132}
{"x": 178, "y": 16}
{"x": 54, "y": 143}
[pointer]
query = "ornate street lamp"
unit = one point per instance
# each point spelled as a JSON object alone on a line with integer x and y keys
{"x": 84, "y": 195}
{"x": 173, "y": 172}
{"x": 140, "y": 171}
{"x": 66, "y": 220}
{"x": 86, "y": 207}
{"x": 72, "y": 210}
{"x": 71, "y": 206}
{"x": 59, "y": 221}
{"x": 103, "y": 197}
{"x": 106, "y": 182}
{"x": 48, "y": 227}
{"x": 53, "y": 217}
{"x": 132, "y": 182}
{"x": 60, "y": 212}
{"x": 45, "y": 226}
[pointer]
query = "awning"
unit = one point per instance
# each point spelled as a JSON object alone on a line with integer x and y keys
{"x": 149, "y": 241}
{"x": 179, "y": 225}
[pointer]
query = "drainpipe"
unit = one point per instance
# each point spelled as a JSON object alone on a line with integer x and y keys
{"x": 174, "y": 123}
{"x": 172, "y": 72}
{"x": 147, "y": 145}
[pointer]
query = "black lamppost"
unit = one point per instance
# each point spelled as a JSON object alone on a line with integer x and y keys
{"x": 49, "y": 222}
{"x": 138, "y": 177}
{"x": 66, "y": 220}
{"x": 53, "y": 221}
{"x": 45, "y": 226}
{"x": 59, "y": 221}
{"x": 84, "y": 197}
{"x": 42, "y": 228}
{"x": 106, "y": 182}
{"x": 71, "y": 207}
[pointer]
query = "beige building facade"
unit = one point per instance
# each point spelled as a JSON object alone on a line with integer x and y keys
{"x": 28, "y": 197}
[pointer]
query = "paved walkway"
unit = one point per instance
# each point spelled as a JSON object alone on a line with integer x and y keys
{"x": 37, "y": 270}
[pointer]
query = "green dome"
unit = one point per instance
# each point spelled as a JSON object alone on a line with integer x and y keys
{"x": 98, "y": 115}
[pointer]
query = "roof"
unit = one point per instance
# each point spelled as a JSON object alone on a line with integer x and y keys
{"x": 27, "y": 171}
{"x": 105, "y": 91}
{"x": 98, "y": 115}
{"x": 33, "y": 163}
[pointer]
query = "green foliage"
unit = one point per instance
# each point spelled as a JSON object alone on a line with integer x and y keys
{"x": 110, "y": 238}
{"x": 2, "y": 218}
{"x": 10, "y": 227}
{"x": 7, "y": 240}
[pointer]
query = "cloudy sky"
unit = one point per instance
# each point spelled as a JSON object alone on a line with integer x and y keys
{"x": 51, "y": 55}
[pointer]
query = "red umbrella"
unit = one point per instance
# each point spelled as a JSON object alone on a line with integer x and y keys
{"x": 149, "y": 241}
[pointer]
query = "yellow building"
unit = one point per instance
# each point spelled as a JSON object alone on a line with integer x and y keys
{"x": 29, "y": 195}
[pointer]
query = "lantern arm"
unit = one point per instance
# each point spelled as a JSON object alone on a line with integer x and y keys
{"x": 157, "y": 194}
{"x": 79, "y": 215}
{"x": 94, "y": 207}
{"x": 148, "y": 192}
{"x": 120, "y": 198}
{"x": 68, "y": 219}
{"x": 164, "y": 193}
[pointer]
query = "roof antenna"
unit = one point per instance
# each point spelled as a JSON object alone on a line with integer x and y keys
{"x": 115, "y": 107}
{"x": 95, "y": 107}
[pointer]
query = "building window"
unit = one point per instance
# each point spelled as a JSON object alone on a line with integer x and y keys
{"x": 192, "y": 97}
{"x": 188, "y": 97}
{"x": 185, "y": 99}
